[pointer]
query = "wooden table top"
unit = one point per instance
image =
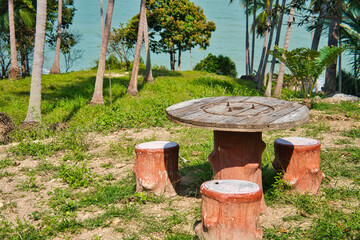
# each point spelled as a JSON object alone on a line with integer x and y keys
{"x": 240, "y": 114}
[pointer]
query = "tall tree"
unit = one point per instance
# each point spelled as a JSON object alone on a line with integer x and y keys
{"x": 265, "y": 45}
{"x": 272, "y": 27}
{"x": 319, "y": 26}
{"x": 280, "y": 79}
{"x": 132, "y": 88}
{"x": 98, "y": 97}
{"x": 148, "y": 76}
{"x": 14, "y": 71}
{"x": 34, "y": 108}
{"x": 253, "y": 39}
{"x": 55, "y": 69}
{"x": 101, "y": 17}
{"x": 333, "y": 39}
{"x": 277, "y": 40}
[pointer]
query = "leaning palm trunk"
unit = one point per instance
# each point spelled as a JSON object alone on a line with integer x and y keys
{"x": 263, "y": 70}
{"x": 14, "y": 71}
{"x": 277, "y": 40}
{"x": 279, "y": 83}
{"x": 258, "y": 77}
{"x": 132, "y": 88}
{"x": 247, "y": 64}
{"x": 253, "y": 40}
{"x": 34, "y": 109}
{"x": 148, "y": 77}
{"x": 318, "y": 28}
{"x": 330, "y": 76}
{"x": 98, "y": 91}
{"x": 55, "y": 69}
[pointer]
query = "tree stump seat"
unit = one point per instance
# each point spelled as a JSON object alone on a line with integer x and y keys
{"x": 230, "y": 210}
{"x": 156, "y": 167}
{"x": 299, "y": 159}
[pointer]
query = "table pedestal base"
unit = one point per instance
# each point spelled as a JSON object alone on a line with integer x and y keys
{"x": 237, "y": 155}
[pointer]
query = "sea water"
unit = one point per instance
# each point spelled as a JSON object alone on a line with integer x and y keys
{"x": 228, "y": 39}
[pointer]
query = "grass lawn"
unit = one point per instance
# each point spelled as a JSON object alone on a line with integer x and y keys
{"x": 72, "y": 177}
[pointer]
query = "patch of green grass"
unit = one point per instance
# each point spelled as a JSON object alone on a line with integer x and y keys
{"x": 6, "y": 174}
{"x": 353, "y": 133}
{"x": 342, "y": 141}
{"x": 77, "y": 175}
{"x": 6, "y": 163}
{"x": 31, "y": 148}
{"x": 348, "y": 109}
{"x": 108, "y": 194}
{"x": 316, "y": 130}
{"x": 29, "y": 185}
{"x": 61, "y": 201}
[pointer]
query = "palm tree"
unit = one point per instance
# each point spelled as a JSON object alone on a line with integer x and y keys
{"x": 98, "y": 91}
{"x": 34, "y": 110}
{"x": 148, "y": 76}
{"x": 350, "y": 34}
{"x": 319, "y": 26}
{"x": 101, "y": 17}
{"x": 253, "y": 38}
{"x": 279, "y": 83}
{"x": 265, "y": 45}
{"x": 132, "y": 88}
{"x": 272, "y": 26}
{"x": 55, "y": 69}
{"x": 14, "y": 71}
{"x": 333, "y": 39}
{"x": 277, "y": 40}
{"x": 307, "y": 65}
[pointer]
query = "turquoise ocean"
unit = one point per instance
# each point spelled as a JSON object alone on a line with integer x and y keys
{"x": 228, "y": 39}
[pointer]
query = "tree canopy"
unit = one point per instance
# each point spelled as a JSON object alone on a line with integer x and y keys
{"x": 174, "y": 25}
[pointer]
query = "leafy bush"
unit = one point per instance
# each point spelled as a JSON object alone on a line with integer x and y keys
{"x": 217, "y": 64}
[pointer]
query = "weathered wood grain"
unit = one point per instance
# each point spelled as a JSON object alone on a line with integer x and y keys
{"x": 238, "y": 113}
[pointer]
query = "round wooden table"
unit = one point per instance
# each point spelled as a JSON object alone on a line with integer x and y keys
{"x": 238, "y": 123}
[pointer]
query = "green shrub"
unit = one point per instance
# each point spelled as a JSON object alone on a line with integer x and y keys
{"x": 217, "y": 64}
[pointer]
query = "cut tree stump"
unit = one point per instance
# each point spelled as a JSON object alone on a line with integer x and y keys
{"x": 299, "y": 159}
{"x": 156, "y": 167}
{"x": 230, "y": 210}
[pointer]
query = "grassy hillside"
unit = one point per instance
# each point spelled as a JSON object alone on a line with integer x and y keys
{"x": 65, "y": 98}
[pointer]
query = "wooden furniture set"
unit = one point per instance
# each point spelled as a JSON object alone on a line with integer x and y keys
{"x": 232, "y": 202}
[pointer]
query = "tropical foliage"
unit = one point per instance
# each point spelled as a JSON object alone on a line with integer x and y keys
{"x": 307, "y": 65}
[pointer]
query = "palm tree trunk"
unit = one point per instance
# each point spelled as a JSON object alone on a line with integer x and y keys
{"x": 132, "y": 88}
{"x": 149, "y": 76}
{"x": 247, "y": 64}
{"x": 330, "y": 75}
{"x": 279, "y": 83}
{"x": 272, "y": 27}
{"x": 55, "y": 69}
{"x": 258, "y": 77}
{"x": 102, "y": 17}
{"x": 340, "y": 57}
{"x": 14, "y": 71}
{"x": 34, "y": 108}
{"x": 253, "y": 40}
{"x": 318, "y": 28}
{"x": 277, "y": 40}
{"x": 98, "y": 91}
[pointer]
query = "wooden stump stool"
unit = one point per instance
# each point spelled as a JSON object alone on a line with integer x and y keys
{"x": 230, "y": 210}
{"x": 156, "y": 167}
{"x": 299, "y": 159}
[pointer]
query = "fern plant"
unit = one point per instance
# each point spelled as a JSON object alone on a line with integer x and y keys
{"x": 307, "y": 65}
